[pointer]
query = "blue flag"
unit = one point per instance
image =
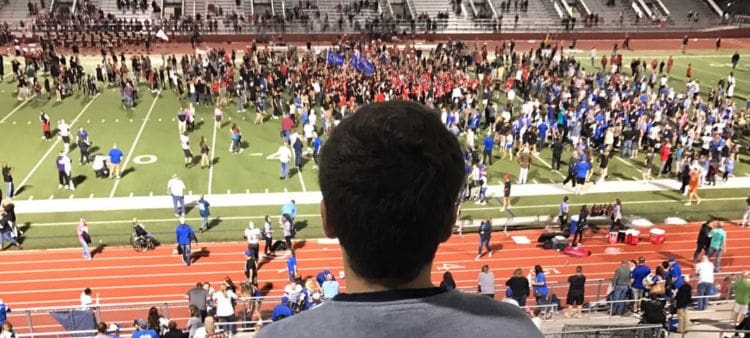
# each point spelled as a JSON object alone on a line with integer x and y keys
{"x": 334, "y": 58}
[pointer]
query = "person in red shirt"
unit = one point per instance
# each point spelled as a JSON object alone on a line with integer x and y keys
{"x": 666, "y": 152}
{"x": 379, "y": 97}
{"x": 604, "y": 62}
{"x": 689, "y": 71}
{"x": 287, "y": 125}
{"x": 670, "y": 62}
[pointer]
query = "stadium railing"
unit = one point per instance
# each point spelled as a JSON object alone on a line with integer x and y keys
{"x": 637, "y": 331}
{"x": 720, "y": 333}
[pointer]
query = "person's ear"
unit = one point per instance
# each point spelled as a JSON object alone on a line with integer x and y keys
{"x": 327, "y": 227}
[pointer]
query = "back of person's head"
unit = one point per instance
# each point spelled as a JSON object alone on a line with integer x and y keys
{"x": 641, "y": 260}
{"x": 87, "y": 291}
{"x": 390, "y": 176}
{"x": 485, "y": 268}
{"x": 518, "y": 272}
{"x": 101, "y": 327}
{"x": 538, "y": 269}
{"x": 172, "y": 325}
{"x": 579, "y": 269}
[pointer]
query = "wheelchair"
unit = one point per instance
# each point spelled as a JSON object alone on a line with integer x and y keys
{"x": 142, "y": 243}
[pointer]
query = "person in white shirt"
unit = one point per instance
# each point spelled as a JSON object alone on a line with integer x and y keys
{"x": 252, "y": 234}
{"x": 176, "y": 189}
{"x": 185, "y": 144}
{"x": 705, "y": 272}
{"x": 87, "y": 302}
{"x": 285, "y": 155}
{"x": 63, "y": 130}
{"x": 225, "y": 308}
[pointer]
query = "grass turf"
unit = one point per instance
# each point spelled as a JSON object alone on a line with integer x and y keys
{"x": 250, "y": 171}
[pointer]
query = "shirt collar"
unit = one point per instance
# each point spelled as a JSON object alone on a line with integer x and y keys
{"x": 389, "y": 295}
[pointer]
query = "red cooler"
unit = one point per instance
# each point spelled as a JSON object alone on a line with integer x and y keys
{"x": 632, "y": 236}
{"x": 657, "y": 236}
{"x": 612, "y": 239}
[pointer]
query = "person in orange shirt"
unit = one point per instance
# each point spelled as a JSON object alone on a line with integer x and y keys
{"x": 693, "y": 191}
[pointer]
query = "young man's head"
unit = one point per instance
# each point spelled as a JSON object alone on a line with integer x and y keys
{"x": 390, "y": 176}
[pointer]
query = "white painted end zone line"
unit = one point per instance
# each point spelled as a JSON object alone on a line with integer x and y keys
{"x": 14, "y": 111}
{"x": 627, "y": 163}
{"x": 213, "y": 158}
{"x": 135, "y": 142}
{"x": 301, "y": 180}
{"x": 57, "y": 140}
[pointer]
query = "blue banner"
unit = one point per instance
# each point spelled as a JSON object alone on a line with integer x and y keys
{"x": 362, "y": 64}
{"x": 334, "y": 58}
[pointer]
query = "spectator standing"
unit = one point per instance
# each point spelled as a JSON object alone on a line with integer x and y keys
{"x": 616, "y": 215}
{"x": 693, "y": 187}
{"x": 741, "y": 299}
{"x": 285, "y": 155}
{"x": 485, "y": 234}
{"x": 252, "y": 235}
{"x": 486, "y": 282}
{"x": 185, "y": 236}
{"x": 640, "y": 272}
{"x": 576, "y": 294}
{"x": 251, "y": 267}
{"x": 718, "y": 244}
{"x": 564, "y": 214}
{"x": 173, "y": 331}
{"x": 524, "y": 163}
{"x": 287, "y": 228}
{"x": 703, "y": 242}
{"x": 268, "y": 236}
{"x": 539, "y": 284}
{"x": 115, "y": 160}
{"x": 620, "y": 282}
{"x": 489, "y": 144}
{"x": 448, "y": 283}
{"x": 582, "y": 169}
{"x": 204, "y": 209}
{"x": 205, "y": 153}
{"x": 84, "y": 238}
{"x": 63, "y": 130}
{"x": 377, "y": 272}
{"x": 4, "y": 310}
{"x": 506, "y": 193}
{"x": 746, "y": 216}
{"x": 64, "y": 171}
{"x": 519, "y": 286}
{"x": 83, "y": 142}
{"x": 46, "y": 126}
{"x": 176, "y": 189}
{"x": 225, "y": 308}
{"x": 197, "y": 298}
{"x": 8, "y": 180}
{"x": 185, "y": 145}
{"x": 291, "y": 267}
{"x": 674, "y": 273}
{"x": 705, "y": 272}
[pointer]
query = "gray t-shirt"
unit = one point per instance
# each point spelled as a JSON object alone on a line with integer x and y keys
{"x": 407, "y": 313}
{"x": 487, "y": 283}
{"x": 197, "y": 297}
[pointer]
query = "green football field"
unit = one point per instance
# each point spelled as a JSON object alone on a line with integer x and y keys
{"x": 148, "y": 136}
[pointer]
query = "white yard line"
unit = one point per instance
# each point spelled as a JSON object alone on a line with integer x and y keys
{"x": 54, "y": 144}
{"x": 135, "y": 142}
{"x": 627, "y": 163}
{"x": 211, "y": 164}
{"x": 301, "y": 180}
{"x": 14, "y": 111}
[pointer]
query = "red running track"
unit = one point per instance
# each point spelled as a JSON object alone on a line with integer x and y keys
{"x": 44, "y": 278}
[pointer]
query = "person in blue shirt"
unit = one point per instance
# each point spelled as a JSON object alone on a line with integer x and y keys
{"x": 317, "y": 143}
{"x": 204, "y": 211}
{"x": 291, "y": 267}
{"x": 282, "y": 310}
{"x": 639, "y": 273}
{"x": 485, "y": 234}
{"x": 290, "y": 209}
{"x": 4, "y": 309}
{"x": 582, "y": 171}
{"x": 674, "y": 273}
{"x": 142, "y": 330}
{"x": 539, "y": 285}
{"x": 115, "y": 159}
{"x": 321, "y": 276}
{"x": 185, "y": 235}
{"x": 489, "y": 143}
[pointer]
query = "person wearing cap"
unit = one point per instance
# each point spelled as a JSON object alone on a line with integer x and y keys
{"x": 185, "y": 235}
{"x": 282, "y": 310}
{"x": 113, "y": 330}
{"x": 141, "y": 330}
{"x": 674, "y": 273}
{"x": 252, "y": 234}
{"x": 176, "y": 189}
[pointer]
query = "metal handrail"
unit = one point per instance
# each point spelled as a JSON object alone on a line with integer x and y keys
{"x": 718, "y": 331}
{"x": 606, "y": 329}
